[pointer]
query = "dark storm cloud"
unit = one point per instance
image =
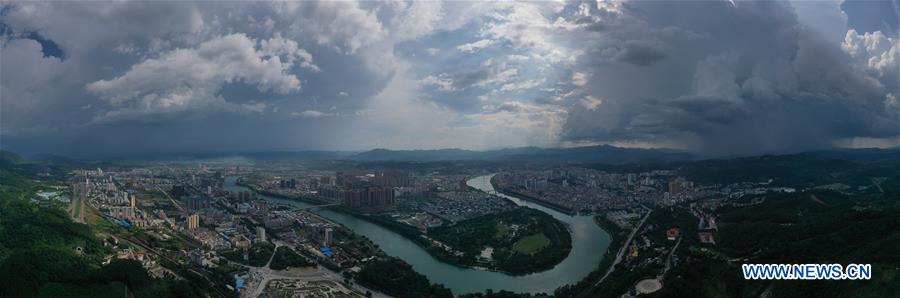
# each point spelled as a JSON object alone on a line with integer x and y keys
{"x": 759, "y": 82}
{"x": 720, "y": 77}
{"x": 142, "y": 76}
{"x": 640, "y": 54}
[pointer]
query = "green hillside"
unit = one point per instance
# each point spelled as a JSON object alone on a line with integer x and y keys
{"x": 812, "y": 227}
{"x": 39, "y": 247}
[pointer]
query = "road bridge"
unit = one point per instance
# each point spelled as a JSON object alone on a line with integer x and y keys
{"x": 318, "y": 206}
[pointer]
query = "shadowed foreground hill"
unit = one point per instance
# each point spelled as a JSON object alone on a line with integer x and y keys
{"x": 852, "y": 167}
{"x": 811, "y": 227}
{"x": 38, "y": 244}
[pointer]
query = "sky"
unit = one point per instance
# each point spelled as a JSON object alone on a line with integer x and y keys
{"x": 713, "y": 77}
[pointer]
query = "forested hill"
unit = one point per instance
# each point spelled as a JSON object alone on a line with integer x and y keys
{"x": 852, "y": 167}
{"x": 590, "y": 154}
{"x": 48, "y": 167}
{"x": 819, "y": 227}
{"x": 39, "y": 242}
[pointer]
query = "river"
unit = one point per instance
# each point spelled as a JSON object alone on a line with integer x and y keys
{"x": 589, "y": 243}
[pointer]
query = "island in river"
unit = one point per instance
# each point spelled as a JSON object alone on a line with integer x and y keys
{"x": 589, "y": 242}
{"x": 517, "y": 241}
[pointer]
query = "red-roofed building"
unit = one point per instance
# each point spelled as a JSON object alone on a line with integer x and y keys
{"x": 707, "y": 237}
{"x": 673, "y": 234}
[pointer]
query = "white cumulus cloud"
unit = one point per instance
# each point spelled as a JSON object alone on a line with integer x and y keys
{"x": 188, "y": 79}
{"x": 475, "y": 46}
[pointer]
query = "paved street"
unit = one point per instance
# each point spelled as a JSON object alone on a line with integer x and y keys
{"x": 260, "y": 277}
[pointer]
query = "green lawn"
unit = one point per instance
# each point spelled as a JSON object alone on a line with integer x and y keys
{"x": 502, "y": 231}
{"x": 531, "y": 244}
{"x": 525, "y": 240}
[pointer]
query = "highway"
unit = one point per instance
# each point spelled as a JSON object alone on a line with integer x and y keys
{"x": 624, "y": 248}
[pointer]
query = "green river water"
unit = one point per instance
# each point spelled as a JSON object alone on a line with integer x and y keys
{"x": 589, "y": 242}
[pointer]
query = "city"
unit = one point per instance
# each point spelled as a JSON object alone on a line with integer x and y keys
{"x": 472, "y": 149}
{"x": 272, "y": 229}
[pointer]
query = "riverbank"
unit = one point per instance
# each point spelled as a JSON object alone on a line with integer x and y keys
{"x": 414, "y": 235}
{"x": 382, "y": 272}
{"x": 406, "y": 231}
{"x": 508, "y": 260}
{"x": 618, "y": 237}
{"x": 529, "y": 198}
{"x": 518, "y": 242}
{"x": 261, "y": 191}
{"x": 588, "y": 241}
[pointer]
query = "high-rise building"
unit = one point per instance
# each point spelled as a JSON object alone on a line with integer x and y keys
{"x": 178, "y": 191}
{"x": 260, "y": 234}
{"x": 193, "y": 221}
{"x": 327, "y": 240}
{"x": 132, "y": 210}
{"x": 196, "y": 202}
{"x": 343, "y": 179}
{"x": 285, "y": 183}
{"x": 675, "y": 187}
{"x": 263, "y": 208}
{"x": 392, "y": 179}
{"x": 365, "y": 196}
{"x": 121, "y": 212}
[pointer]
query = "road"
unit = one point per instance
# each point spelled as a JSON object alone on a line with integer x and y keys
{"x": 147, "y": 248}
{"x": 624, "y": 247}
{"x": 264, "y": 274}
{"x": 76, "y": 208}
{"x": 877, "y": 184}
{"x": 669, "y": 259}
{"x": 171, "y": 199}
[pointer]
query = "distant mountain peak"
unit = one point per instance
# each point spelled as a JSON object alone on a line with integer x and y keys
{"x": 589, "y": 154}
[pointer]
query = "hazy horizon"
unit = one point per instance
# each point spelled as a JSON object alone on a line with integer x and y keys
{"x": 343, "y": 154}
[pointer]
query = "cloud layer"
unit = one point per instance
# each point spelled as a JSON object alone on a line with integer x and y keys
{"x": 189, "y": 80}
{"x": 717, "y": 77}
